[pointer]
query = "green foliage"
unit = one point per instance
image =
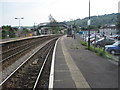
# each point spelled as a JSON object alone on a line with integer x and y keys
{"x": 97, "y": 21}
{"x": 4, "y": 34}
{"x": 25, "y": 31}
{"x": 91, "y": 27}
{"x": 108, "y": 55}
{"x": 99, "y": 51}
{"x": 84, "y": 28}
{"x": 83, "y": 43}
{"x": 11, "y": 33}
{"x": 8, "y": 32}
{"x": 56, "y": 30}
{"x": 92, "y": 48}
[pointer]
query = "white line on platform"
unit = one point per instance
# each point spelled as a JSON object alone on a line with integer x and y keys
{"x": 51, "y": 78}
{"x": 75, "y": 72}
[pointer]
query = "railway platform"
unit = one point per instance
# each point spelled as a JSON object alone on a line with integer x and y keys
{"x": 76, "y": 67}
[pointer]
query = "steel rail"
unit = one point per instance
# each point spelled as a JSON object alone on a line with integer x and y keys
{"x": 40, "y": 72}
{"x": 16, "y": 53}
{"x": 18, "y": 47}
{"x": 10, "y": 75}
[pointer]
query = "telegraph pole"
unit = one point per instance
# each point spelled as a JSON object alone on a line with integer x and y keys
{"x": 89, "y": 28}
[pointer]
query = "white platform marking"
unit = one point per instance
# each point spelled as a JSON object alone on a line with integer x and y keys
{"x": 77, "y": 76}
{"x": 51, "y": 78}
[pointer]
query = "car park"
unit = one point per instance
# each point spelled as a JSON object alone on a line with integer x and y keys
{"x": 103, "y": 41}
{"x": 118, "y": 37}
{"x": 115, "y": 37}
{"x": 113, "y": 49}
{"x": 92, "y": 38}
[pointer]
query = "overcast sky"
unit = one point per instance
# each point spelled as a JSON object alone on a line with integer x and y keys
{"x": 37, "y": 11}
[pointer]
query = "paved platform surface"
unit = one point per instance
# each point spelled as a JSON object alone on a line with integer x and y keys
{"x": 76, "y": 67}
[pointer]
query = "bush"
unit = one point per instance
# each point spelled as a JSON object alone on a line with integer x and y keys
{"x": 108, "y": 55}
{"x": 99, "y": 51}
{"x": 84, "y": 43}
{"x": 92, "y": 48}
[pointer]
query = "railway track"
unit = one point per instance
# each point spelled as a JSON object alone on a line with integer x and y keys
{"x": 11, "y": 51}
{"x": 34, "y": 71}
{"x": 14, "y": 54}
{"x": 11, "y": 55}
{"x": 6, "y": 45}
{"x": 11, "y": 45}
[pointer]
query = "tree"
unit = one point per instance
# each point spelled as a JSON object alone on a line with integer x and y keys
{"x": 4, "y": 34}
{"x": 25, "y": 31}
{"x": 11, "y": 33}
{"x": 96, "y": 20}
{"x": 52, "y": 20}
{"x": 84, "y": 28}
{"x": 8, "y": 32}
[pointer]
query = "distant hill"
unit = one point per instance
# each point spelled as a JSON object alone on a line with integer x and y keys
{"x": 23, "y": 26}
{"x": 100, "y": 20}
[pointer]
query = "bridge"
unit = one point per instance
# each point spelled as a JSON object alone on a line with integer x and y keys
{"x": 51, "y": 24}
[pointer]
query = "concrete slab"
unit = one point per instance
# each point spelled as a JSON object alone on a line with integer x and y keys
{"x": 67, "y": 74}
{"x": 62, "y": 77}
{"x": 76, "y": 67}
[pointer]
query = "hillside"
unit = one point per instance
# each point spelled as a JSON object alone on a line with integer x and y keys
{"x": 100, "y": 20}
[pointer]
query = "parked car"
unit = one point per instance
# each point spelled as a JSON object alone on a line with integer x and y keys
{"x": 115, "y": 36}
{"x": 102, "y": 42}
{"x": 113, "y": 49}
{"x": 93, "y": 39}
{"x": 118, "y": 37}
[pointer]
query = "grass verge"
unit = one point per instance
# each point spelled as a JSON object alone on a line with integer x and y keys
{"x": 99, "y": 51}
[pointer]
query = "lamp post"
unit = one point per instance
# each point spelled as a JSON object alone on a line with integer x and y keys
{"x": 74, "y": 28}
{"x": 34, "y": 26}
{"x": 19, "y": 21}
{"x": 89, "y": 28}
{"x": 35, "y": 29}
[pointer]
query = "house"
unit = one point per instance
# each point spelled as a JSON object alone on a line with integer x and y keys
{"x": 45, "y": 30}
{"x": 91, "y": 31}
{"x": 108, "y": 29}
